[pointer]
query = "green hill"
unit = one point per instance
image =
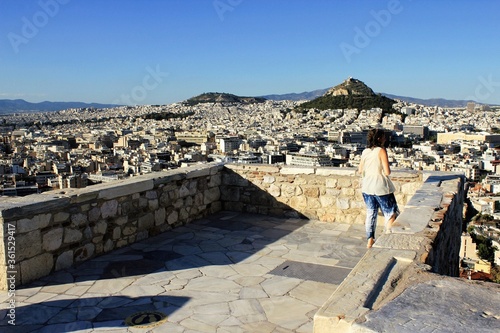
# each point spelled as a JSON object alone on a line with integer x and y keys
{"x": 215, "y": 97}
{"x": 350, "y": 94}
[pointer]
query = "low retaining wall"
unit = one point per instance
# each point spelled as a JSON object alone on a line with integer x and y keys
{"x": 51, "y": 231}
{"x": 325, "y": 194}
{"x": 424, "y": 239}
{"x": 55, "y": 230}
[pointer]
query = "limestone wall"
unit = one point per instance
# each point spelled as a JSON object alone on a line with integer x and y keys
{"x": 58, "y": 229}
{"x": 55, "y": 230}
{"x": 326, "y": 194}
{"x": 425, "y": 240}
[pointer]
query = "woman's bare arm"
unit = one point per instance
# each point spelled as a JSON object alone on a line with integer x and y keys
{"x": 385, "y": 161}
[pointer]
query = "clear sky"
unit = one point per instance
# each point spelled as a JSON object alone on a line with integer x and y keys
{"x": 165, "y": 51}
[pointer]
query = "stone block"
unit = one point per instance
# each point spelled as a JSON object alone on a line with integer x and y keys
{"x": 147, "y": 221}
{"x": 84, "y": 197}
{"x": 183, "y": 214}
{"x": 94, "y": 214}
{"x": 28, "y": 245}
{"x": 188, "y": 201}
{"x": 288, "y": 190}
{"x": 36, "y": 267}
{"x": 173, "y": 217}
{"x": 160, "y": 216}
{"x": 129, "y": 230}
{"x": 153, "y": 204}
{"x": 333, "y": 171}
{"x": 211, "y": 195}
{"x": 78, "y": 220}
{"x": 143, "y": 202}
{"x": 184, "y": 191}
{"x": 327, "y": 201}
{"x": 198, "y": 173}
{"x": 429, "y": 198}
{"x": 168, "y": 178}
{"x": 72, "y": 236}
{"x": 121, "y": 220}
{"x": 347, "y": 191}
{"x": 313, "y": 203}
{"x": 298, "y": 191}
{"x": 402, "y": 242}
{"x": 117, "y": 233}
{"x": 126, "y": 188}
{"x": 215, "y": 180}
{"x": 21, "y": 207}
{"x": 310, "y": 191}
{"x": 332, "y": 192}
{"x": 298, "y": 203}
{"x": 202, "y": 184}
{"x": 37, "y": 222}
{"x": 84, "y": 253}
{"x": 65, "y": 260}
{"x": 274, "y": 190}
{"x": 61, "y": 217}
{"x": 297, "y": 180}
{"x": 100, "y": 228}
{"x": 292, "y": 170}
{"x": 193, "y": 186}
{"x": 178, "y": 203}
{"x": 109, "y": 209}
{"x": 151, "y": 195}
{"x": 342, "y": 203}
{"x": 413, "y": 220}
{"x": 52, "y": 239}
{"x": 109, "y": 245}
{"x": 344, "y": 182}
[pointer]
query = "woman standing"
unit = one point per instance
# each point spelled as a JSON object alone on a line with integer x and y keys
{"x": 377, "y": 188}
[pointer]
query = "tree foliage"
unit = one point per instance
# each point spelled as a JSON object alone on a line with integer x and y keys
{"x": 360, "y": 102}
{"x": 485, "y": 248}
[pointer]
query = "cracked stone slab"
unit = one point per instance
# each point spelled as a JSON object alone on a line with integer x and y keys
{"x": 457, "y": 306}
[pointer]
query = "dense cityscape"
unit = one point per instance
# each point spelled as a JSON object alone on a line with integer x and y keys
{"x": 75, "y": 148}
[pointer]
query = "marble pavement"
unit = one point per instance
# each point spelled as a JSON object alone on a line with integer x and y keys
{"x": 230, "y": 272}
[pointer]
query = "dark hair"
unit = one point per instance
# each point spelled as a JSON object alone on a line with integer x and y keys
{"x": 375, "y": 136}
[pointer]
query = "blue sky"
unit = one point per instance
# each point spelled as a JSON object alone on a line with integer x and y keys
{"x": 165, "y": 51}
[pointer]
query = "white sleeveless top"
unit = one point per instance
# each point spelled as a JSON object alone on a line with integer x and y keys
{"x": 374, "y": 181}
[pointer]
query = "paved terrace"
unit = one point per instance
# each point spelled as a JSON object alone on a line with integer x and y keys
{"x": 228, "y": 272}
{"x": 188, "y": 244}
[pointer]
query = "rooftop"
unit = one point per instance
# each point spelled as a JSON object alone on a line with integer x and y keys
{"x": 229, "y": 272}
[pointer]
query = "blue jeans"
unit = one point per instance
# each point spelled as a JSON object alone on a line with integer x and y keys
{"x": 387, "y": 204}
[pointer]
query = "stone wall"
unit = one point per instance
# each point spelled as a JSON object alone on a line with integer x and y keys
{"x": 446, "y": 226}
{"x": 325, "y": 194}
{"x": 425, "y": 240}
{"x": 55, "y": 230}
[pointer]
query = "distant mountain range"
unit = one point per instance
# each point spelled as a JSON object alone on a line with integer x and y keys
{"x": 310, "y": 95}
{"x": 449, "y": 103}
{"x": 20, "y": 105}
{"x": 303, "y": 96}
